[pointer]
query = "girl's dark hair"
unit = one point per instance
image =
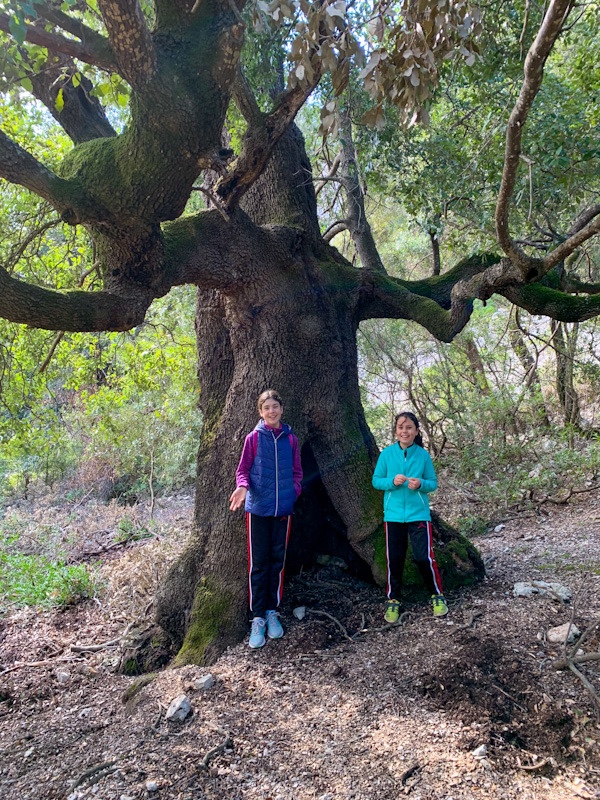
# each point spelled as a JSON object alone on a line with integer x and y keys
{"x": 409, "y": 415}
{"x": 268, "y": 394}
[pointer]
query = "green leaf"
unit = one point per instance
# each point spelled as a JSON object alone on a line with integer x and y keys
{"x": 59, "y": 103}
{"x": 18, "y": 28}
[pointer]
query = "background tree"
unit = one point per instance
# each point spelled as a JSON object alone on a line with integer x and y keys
{"x": 277, "y": 304}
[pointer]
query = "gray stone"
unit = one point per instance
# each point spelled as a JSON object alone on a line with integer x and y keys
{"x": 524, "y": 589}
{"x": 205, "y": 682}
{"x": 299, "y": 612}
{"x": 552, "y": 589}
{"x": 563, "y": 633}
{"x": 179, "y": 709}
{"x": 480, "y": 752}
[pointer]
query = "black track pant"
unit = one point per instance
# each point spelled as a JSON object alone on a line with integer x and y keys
{"x": 267, "y": 544}
{"x": 396, "y": 546}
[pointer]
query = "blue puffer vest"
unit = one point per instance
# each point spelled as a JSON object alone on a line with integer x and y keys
{"x": 272, "y": 492}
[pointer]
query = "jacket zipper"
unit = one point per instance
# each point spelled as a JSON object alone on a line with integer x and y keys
{"x": 404, "y": 495}
{"x": 276, "y": 474}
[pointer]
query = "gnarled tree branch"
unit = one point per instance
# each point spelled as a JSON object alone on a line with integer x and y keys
{"x": 19, "y": 166}
{"x": 130, "y": 39}
{"x": 260, "y": 139}
{"x": 69, "y": 311}
{"x": 81, "y": 116}
{"x": 572, "y": 243}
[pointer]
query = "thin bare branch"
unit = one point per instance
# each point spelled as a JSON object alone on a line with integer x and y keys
{"x": 331, "y": 173}
{"x": 539, "y": 51}
{"x": 245, "y": 100}
{"x": 358, "y": 225}
{"x": 336, "y": 227}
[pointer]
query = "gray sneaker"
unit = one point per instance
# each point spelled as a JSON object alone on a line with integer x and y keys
{"x": 257, "y": 633}
{"x": 274, "y": 629}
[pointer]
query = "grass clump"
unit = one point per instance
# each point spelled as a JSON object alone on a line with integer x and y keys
{"x": 33, "y": 580}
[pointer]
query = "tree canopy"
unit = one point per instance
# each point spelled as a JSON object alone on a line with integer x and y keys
{"x": 173, "y": 70}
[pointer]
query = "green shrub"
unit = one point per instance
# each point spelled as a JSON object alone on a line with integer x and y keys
{"x": 27, "y": 580}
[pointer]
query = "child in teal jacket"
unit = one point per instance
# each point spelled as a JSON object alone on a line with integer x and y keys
{"x": 405, "y": 472}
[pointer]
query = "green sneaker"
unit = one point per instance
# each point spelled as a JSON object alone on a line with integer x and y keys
{"x": 392, "y": 611}
{"x": 440, "y": 609}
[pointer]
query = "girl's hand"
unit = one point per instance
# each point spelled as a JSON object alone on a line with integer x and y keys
{"x": 238, "y": 498}
{"x": 414, "y": 483}
{"x": 399, "y": 480}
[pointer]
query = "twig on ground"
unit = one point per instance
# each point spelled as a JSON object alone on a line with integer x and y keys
{"x": 401, "y": 619}
{"x": 94, "y": 648}
{"x": 333, "y": 619}
{"x": 220, "y": 748}
{"x": 585, "y": 635}
{"x": 561, "y": 501}
{"x": 563, "y": 663}
{"x": 45, "y": 663}
{"x": 106, "y": 768}
{"x": 416, "y": 767}
{"x": 510, "y": 697}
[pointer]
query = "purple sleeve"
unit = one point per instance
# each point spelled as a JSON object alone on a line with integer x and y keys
{"x": 296, "y": 466}
{"x": 242, "y": 475}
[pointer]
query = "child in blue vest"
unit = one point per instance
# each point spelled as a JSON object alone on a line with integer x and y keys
{"x": 405, "y": 472}
{"x": 268, "y": 482}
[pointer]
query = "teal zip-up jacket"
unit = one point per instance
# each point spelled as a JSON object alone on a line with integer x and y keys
{"x": 401, "y": 504}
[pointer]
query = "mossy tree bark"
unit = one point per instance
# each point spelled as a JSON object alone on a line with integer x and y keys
{"x": 292, "y": 325}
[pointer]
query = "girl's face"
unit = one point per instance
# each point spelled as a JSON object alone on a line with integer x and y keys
{"x": 271, "y": 411}
{"x": 406, "y": 431}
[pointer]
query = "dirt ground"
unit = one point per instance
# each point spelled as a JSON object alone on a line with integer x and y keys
{"x": 465, "y": 708}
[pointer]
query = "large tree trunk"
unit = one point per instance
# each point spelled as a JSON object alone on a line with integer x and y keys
{"x": 291, "y": 326}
